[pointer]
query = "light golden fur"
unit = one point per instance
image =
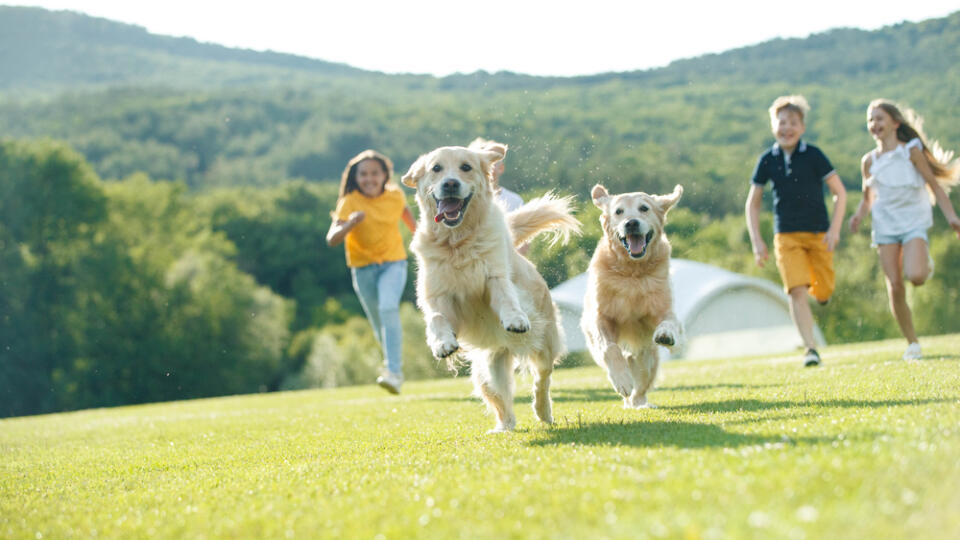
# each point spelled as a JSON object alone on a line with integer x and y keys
{"x": 628, "y": 309}
{"x": 476, "y": 292}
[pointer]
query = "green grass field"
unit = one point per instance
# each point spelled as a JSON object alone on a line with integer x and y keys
{"x": 866, "y": 446}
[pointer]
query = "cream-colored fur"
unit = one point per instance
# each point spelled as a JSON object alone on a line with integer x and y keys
{"x": 627, "y": 309}
{"x": 477, "y": 294}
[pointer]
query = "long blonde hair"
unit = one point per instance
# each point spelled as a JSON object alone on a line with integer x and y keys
{"x": 945, "y": 168}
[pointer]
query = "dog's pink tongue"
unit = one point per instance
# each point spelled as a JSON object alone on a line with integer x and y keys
{"x": 449, "y": 207}
{"x": 636, "y": 242}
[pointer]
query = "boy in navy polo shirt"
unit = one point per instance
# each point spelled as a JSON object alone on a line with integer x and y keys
{"x": 804, "y": 236}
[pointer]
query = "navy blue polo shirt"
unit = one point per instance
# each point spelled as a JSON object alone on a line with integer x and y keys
{"x": 797, "y": 188}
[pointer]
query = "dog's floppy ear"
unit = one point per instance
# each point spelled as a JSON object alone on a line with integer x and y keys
{"x": 416, "y": 171}
{"x": 600, "y": 196}
{"x": 492, "y": 153}
{"x": 667, "y": 201}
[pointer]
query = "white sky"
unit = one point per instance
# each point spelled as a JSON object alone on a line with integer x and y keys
{"x": 537, "y": 37}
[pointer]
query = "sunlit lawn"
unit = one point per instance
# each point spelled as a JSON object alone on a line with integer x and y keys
{"x": 867, "y": 446}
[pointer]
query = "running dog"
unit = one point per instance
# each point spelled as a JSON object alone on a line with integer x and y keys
{"x": 477, "y": 294}
{"x": 627, "y": 309}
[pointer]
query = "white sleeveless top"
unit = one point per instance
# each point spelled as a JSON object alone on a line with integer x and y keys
{"x": 901, "y": 204}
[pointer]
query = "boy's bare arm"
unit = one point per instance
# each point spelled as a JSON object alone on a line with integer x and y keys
{"x": 839, "y": 209}
{"x": 752, "y": 210}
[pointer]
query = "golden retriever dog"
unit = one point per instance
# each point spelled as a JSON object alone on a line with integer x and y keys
{"x": 628, "y": 309}
{"x": 477, "y": 294}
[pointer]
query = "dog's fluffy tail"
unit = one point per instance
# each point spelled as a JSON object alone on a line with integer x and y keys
{"x": 543, "y": 214}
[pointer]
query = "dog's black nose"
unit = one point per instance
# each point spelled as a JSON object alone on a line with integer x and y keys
{"x": 451, "y": 185}
{"x": 632, "y": 226}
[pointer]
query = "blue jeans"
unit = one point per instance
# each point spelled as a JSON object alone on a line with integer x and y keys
{"x": 379, "y": 287}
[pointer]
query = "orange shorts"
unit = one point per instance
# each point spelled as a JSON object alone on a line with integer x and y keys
{"x": 803, "y": 259}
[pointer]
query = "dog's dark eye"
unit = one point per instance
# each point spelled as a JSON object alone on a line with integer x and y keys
{"x": 644, "y": 208}
{"x": 619, "y": 211}
{"x": 466, "y": 167}
{"x": 437, "y": 168}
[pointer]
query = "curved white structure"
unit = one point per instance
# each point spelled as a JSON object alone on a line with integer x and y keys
{"x": 724, "y": 313}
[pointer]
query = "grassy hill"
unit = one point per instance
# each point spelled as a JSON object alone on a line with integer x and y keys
{"x": 864, "y": 447}
{"x": 255, "y": 142}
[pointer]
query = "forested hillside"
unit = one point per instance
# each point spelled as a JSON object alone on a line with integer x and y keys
{"x": 191, "y": 164}
{"x": 46, "y": 50}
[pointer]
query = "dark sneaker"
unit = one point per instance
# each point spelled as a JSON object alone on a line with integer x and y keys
{"x": 811, "y": 358}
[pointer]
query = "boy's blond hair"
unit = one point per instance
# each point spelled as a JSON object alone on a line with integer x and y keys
{"x": 796, "y": 103}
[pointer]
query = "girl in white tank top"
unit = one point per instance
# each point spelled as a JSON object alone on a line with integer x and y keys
{"x": 900, "y": 201}
{"x": 897, "y": 177}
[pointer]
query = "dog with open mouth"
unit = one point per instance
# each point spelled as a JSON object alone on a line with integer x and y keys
{"x": 628, "y": 307}
{"x": 478, "y": 295}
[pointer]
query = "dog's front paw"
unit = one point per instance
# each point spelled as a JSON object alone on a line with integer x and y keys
{"x": 516, "y": 322}
{"x": 666, "y": 335}
{"x": 442, "y": 348}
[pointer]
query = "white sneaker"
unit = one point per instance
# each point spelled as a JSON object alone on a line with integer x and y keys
{"x": 913, "y": 352}
{"x": 390, "y": 382}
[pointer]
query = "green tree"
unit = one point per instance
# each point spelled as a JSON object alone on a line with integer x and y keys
{"x": 50, "y": 206}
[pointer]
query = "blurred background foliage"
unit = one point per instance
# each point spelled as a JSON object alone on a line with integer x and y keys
{"x": 164, "y": 203}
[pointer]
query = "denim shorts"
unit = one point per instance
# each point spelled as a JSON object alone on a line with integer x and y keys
{"x": 903, "y": 238}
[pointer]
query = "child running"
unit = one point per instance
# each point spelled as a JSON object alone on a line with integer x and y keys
{"x": 897, "y": 176}
{"x": 804, "y": 236}
{"x": 368, "y": 214}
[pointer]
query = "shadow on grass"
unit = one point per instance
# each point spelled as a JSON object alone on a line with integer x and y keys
{"x": 569, "y": 395}
{"x": 711, "y": 387}
{"x": 657, "y": 434}
{"x": 558, "y": 395}
{"x": 737, "y": 405}
{"x": 561, "y": 395}
{"x": 940, "y": 357}
{"x": 765, "y": 419}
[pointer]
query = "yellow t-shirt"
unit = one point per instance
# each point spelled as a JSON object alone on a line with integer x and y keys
{"x": 376, "y": 239}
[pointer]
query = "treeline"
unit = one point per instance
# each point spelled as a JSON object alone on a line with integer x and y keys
{"x": 706, "y": 137}
{"x": 166, "y": 240}
{"x": 137, "y": 290}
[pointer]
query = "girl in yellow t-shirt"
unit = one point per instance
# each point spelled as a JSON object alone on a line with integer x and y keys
{"x": 368, "y": 214}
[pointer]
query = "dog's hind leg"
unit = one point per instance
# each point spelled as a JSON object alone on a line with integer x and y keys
{"x": 493, "y": 379}
{"x": 644, "y": 366}
{"x": 542, "y": 369}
